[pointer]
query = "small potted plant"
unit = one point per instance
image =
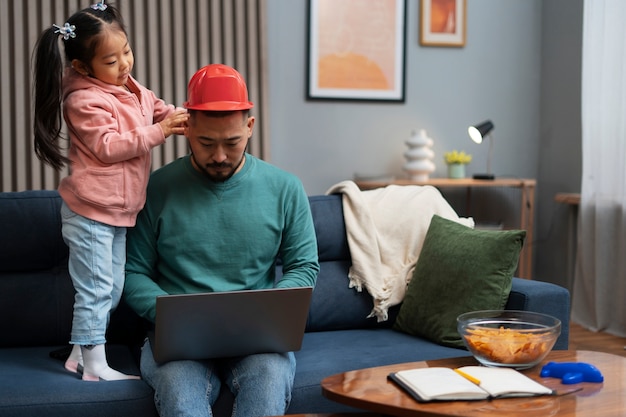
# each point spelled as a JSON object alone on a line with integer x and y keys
{"x": 456, "y": 162}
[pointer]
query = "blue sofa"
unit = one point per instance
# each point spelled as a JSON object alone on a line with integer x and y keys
{"x": 36, "y": 298}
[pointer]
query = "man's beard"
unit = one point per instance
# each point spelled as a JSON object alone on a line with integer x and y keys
{"x": 219, "y": 177}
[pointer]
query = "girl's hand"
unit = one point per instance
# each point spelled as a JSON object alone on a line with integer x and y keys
{"x": 175, "y": 123}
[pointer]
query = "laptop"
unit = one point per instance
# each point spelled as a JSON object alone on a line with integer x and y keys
{"x": 227, "y": 324}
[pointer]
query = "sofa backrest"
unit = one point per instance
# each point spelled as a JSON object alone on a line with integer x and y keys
{"x": 36, "y": 291}
{"x": 36, "y": 294}
{"x": 334, "y": 304}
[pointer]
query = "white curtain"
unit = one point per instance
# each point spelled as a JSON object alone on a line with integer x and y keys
{"x": 599, "y": 294}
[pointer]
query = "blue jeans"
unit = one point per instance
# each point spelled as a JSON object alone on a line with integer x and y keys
{"x": 261, "y": 384}
{"x": 97, "y": 257}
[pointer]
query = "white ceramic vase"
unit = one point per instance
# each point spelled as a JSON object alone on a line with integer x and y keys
{"x": 419, "y": 156}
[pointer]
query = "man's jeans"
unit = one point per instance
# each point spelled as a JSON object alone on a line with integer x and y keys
{"x": 96, "y": 265}
{"x": 261, "y": 384}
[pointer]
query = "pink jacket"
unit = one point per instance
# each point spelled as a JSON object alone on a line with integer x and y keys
{"x": 111, "y": 133}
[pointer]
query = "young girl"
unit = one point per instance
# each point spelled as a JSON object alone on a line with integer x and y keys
{"x": 112, "y": 122}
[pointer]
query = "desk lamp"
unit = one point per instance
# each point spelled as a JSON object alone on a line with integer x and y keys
{"x": 477, "y": 133}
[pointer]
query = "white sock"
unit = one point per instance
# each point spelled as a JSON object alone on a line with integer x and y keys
{"x": 96, "y": 367}
{"x": 74, "y": 362}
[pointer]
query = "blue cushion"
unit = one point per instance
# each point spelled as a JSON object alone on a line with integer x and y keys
{"x": 37, "y": 307}
{"x": 328, "y": 353}
{"x": 327, "y": 211}
{"x": 36, "y": 293}
{"x": 31, "y": 231}
{"x": 336, "y": 306}
{"x": 34, "y": 384}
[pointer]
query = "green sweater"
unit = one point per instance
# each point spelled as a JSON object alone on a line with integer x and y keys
{"x": 196, "y": 235}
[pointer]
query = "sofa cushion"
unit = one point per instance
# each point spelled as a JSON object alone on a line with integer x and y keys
{"x": 34, "y": 384}
{"x": 460, "y": 269}
{"x": 336, "y": 306}
{"x": 328, "y": 353}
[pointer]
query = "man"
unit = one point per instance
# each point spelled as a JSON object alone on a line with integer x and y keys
{"x": 217, "y": 220}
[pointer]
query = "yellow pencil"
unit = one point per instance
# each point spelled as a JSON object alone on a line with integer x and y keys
{"x": 468, "y": 377}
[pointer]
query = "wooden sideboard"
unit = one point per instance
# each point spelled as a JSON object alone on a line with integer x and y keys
{"x": 527, "y": 205}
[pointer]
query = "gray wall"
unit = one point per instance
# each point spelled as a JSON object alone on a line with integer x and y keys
{"x": 560, "y": 158}
{"x": 510, "y": 71}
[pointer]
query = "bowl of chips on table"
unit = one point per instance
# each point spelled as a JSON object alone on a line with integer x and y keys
{"x": 508, "y": 338}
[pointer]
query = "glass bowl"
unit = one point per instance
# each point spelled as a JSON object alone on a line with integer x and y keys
{"x": 508, "y": 338}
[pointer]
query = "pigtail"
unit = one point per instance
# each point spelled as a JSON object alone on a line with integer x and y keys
{"x": 48, "y": 69}
{"x": 79, "y": 37}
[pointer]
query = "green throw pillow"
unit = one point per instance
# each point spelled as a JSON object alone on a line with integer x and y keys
{"x": 459, "y": 269}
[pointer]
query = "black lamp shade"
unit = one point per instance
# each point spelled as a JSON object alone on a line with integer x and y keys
{"x": 478, "y": 132}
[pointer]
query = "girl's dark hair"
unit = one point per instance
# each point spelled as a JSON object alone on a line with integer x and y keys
{"x": 48, "y": 74}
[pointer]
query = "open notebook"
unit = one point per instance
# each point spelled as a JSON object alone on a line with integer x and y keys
{"x": 226, "y": 324}
{"x": 467, "y": 383}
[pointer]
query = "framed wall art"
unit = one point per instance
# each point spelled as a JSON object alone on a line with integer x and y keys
{"x": 356, "y": 50}
{"x": 443, "y": 22}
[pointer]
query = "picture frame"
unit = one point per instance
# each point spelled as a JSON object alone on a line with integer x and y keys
{"x": 356, "y": 50}
{"x": 443, "y": 23}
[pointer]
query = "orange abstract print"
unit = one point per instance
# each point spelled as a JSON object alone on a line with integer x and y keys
{"x": 443, "y": 16}
{"x": 356, "y": 44}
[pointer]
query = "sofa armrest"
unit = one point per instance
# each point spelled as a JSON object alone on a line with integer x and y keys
{"x": 542, "y": 297}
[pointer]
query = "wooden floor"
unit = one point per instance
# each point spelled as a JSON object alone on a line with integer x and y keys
{"x": 582, "y": 339}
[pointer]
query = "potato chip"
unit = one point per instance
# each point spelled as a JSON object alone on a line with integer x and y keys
{"x": 508, "y": 346}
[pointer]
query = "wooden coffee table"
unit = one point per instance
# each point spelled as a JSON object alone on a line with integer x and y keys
{"x": 369, "y": 389}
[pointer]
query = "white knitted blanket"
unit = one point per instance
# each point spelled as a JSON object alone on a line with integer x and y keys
{"x": 386, "y": 228}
